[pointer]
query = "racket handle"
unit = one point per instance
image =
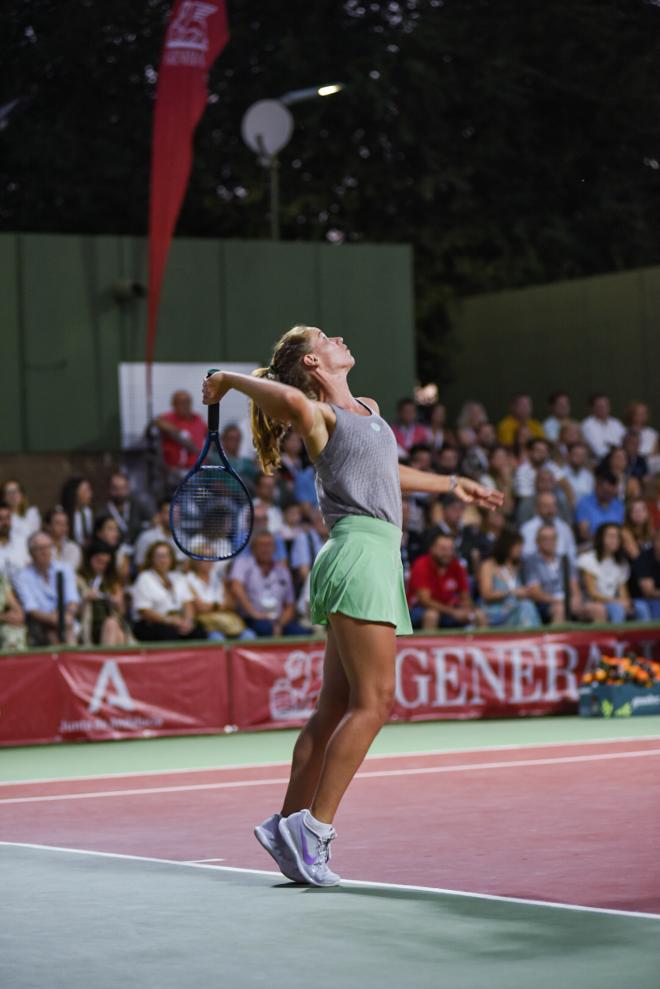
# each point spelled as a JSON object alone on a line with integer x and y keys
{"x": 213, "y": 410}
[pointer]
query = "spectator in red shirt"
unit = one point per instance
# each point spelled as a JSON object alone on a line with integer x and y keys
{"x": 438, "y": 590}
{"x": 183, "y": 433}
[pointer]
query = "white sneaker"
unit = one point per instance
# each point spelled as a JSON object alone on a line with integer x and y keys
{"x": 310, "y": 849}
{"x": 269, "y": 837}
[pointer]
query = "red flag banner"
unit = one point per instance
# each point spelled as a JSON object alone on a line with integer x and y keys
{"x": 196, "y": 34}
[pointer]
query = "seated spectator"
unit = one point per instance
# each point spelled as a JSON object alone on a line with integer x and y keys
{"x": 600, "y": 507}
{"x": 617, "y": 463}
{"x": 107, "y": 531}
{"x": 547, "y": 514}
{"x": 407, "y": 430}
{"x": 605, "y": 573}
{"x": 472, "y": 416}
{"x": 577, "y": 473}
{"x": 306, "y": 546}
{"x": 76, "y": 499}
{"x": 158, "y": 532}
{"x": 637, "y": 417}
{"x": 521, "y": 438}
{"x": 13, "y": 548}
{"x": 214, "y": 608}
{"x": 472, "y": 540}
{"x": 446, "y": 461}
{"x": 182, "y": 435}
{"x": 13, "y": 634}
{"x": 25, "y": 518}
{"x": 263, "y": 590}
{"x": 653, "y": 503}
{"x": 500, "y": 476}
{"x": 291, "y": 450}
{"x": 646, "y": 569}
{"x": 438, "y": 590}
{"x": 552, "y": 581}
{"x": 475, "y": 461}
{"x": 437, "y": 434}
{"x": 559, "y": 407}
{"x": 56, "y": 524}
{"x": 570, "y": 432}
{"x": 265, "y": 491}
{"x": 505, "y": 599}
{"x": 304, "y": 491}
{"x": 545, "y": 483}
{"x": 103, "y": 611}
{"x": 162, "y": 599}
{"x": 600, "y": 430}
{"x": 637, "y": 465}
{"x": 520, "y": 414}
{"x": 637, "y": 531}
{"x": 128, "y": 511}
{"x": 36, "y": 587}
{"x": 246, "y": 467}
{"x": 538, "y": 455}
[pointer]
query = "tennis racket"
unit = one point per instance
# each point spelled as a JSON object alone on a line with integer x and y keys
{"x": 211, "y": 514}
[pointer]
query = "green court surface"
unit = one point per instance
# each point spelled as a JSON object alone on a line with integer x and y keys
{"x": 87, "y": 920}
{"x": 93, "y": 906}
{"x": 197, "y": 752}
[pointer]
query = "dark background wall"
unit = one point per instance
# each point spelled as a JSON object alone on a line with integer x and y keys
{"x": 64, "y": 333}
{"x": 584, "y": 335}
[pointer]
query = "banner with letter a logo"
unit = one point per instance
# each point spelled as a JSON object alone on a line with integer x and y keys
{"x": 196, "y": 34}
{"x": 159, "y": 692}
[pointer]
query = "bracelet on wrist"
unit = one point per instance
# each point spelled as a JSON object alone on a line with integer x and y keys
{"x": 453, "y": 482}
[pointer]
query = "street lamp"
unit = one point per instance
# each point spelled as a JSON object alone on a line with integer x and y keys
{"x": 267, "y": 127}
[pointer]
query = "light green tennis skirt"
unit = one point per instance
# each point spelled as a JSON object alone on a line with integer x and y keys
{"x": 359, "y": 573}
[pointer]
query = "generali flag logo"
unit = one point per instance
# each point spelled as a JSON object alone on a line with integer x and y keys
{"x": 189, "y": 28}
{"x": 110, "y": 688}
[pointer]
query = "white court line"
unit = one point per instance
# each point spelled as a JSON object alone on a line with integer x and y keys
{"x": 376, "y": 774}
{"x": 225, "y": 767}
{"x": 353, "y": 883}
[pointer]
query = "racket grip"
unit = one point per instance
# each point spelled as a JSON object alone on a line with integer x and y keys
{"x": 213, "y": 410}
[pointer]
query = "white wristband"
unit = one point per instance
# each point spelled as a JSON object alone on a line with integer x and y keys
{"x": 453, "y": 481}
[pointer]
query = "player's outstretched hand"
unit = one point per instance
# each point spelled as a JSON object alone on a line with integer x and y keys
{"x": 472, "y": 493}
{"x": 214, "y": 388}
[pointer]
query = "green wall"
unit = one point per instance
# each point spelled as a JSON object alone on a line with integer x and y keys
{"x": 586, "y": 335}
{"x": 64, "y": 334}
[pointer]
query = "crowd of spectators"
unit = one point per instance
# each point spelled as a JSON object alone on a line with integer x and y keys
{"x": 577, "y": 539}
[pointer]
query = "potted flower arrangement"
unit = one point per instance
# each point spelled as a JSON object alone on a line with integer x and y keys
{"x": 621, "y": 686}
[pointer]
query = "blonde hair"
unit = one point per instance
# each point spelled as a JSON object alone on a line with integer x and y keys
{"x": 286, "y": 367}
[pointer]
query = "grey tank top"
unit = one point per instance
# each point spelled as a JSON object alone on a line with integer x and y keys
{"x": 357, "y": 472}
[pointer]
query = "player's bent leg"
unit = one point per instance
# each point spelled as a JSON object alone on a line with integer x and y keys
{"x": 368, "y": 652}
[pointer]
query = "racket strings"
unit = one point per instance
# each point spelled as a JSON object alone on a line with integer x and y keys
{"x": 211, "y": 514}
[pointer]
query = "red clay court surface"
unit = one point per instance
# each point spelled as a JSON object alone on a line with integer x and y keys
{"x": 569, "y": 823}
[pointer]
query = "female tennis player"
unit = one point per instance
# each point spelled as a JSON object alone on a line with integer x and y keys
{"x": 357, "y": 580}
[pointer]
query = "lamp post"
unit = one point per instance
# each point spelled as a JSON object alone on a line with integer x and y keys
{"x": 267, "y": 127}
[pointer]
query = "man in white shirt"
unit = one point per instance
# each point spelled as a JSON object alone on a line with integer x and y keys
{"x": 160, "y": 531}
{"x": 56, "y": 524}
{"x": 13, "y": 549}
{"x": 265, "y": 493}
{"x": 538, "y": 455}
{"x": 546, "y": 514}
{"x": 600, "y": 430}
{"x": 577, "y": 473}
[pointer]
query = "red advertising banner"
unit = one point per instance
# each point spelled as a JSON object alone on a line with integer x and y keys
{"x": 442, "y": 677}
{"x": 29, "y": 699}
{"x": 141, "y": 693}
{"x": 81, "y": 695}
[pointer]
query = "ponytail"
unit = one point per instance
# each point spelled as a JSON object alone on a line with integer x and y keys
{"x": 267, "y": 433}
{"x": 287, "y": 368}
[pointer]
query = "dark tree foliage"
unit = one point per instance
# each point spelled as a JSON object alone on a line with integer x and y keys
{"x": 510, "y": 143}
